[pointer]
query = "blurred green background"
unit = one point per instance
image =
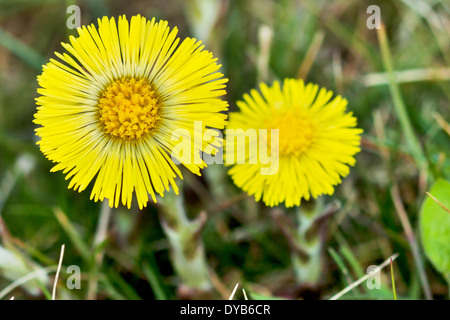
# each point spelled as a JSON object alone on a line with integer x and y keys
{"x": 326, "y": 42}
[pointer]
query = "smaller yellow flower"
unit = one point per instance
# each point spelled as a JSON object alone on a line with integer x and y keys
{"x": 317, "y": 142}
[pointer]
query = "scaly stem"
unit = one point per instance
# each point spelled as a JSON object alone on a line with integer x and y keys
{"x": 305, "y": 238}
{"x": 184, "y": 235}
{"x": 308, "y": 269}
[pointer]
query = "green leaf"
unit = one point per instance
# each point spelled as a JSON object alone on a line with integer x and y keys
{"x": 435, "y": 227}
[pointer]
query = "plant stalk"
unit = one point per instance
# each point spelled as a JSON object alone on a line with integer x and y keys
{"x": 308, "y": 269}
{"x": 187, "y": 249}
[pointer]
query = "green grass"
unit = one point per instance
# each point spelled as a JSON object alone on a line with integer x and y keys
{"x": 403, "y": 145}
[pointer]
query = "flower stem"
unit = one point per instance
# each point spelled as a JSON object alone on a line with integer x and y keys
{"x": 184, "y": 235}
{"x": 306, "y": 238}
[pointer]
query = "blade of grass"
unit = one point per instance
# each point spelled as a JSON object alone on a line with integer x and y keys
{"x": 311, "y": 54}
{"x": 341, "y": 265}
{"x": 350, "y": 257}
{"x": 438, "y": 202}
{"x": 448, "y": 285}
{"x": 109, "y": 289}
{"x": 234, "y": 291}
{"x": 26, "y": 278}
{"x": 98, "y": 249}
{"x": 124, "y": 287}
{"x": 399, "y": 105}
{"x": 61, "y": 256}
{"x": 438, "y": 29}
{"x": 258, "y": 296}
{"x": 407, "y": 76}
{"x": 361, "y": 280}
{"x": 21, "y": 50}
{"x": 402, "y": 214}
{"x": 153, "y": 276}
{"x": 393, "y": 281}
{"x": 442, "y": 123}
{"x": 348, "y": 35}
{"x": 72, "y": 234}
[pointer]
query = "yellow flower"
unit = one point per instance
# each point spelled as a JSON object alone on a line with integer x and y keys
{"x": 107, "y": 109}
{"x": 317, "y": 141}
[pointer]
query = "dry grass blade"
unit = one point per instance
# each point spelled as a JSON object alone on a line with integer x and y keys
{"x": 361, "y": 280}
{"x": 403, "y": 215}
{"x": 61, "y": 256}
{"x": 26, "y": 278}
{"x": 234, "y": 291}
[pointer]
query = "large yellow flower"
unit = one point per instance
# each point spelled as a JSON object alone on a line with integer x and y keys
{"x": 108, "y": 108}
{"x": 317, "y": 141}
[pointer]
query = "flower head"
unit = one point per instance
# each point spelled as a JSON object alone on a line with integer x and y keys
{"x": 107, "y": 109}
{"x": 317, "y": 141}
